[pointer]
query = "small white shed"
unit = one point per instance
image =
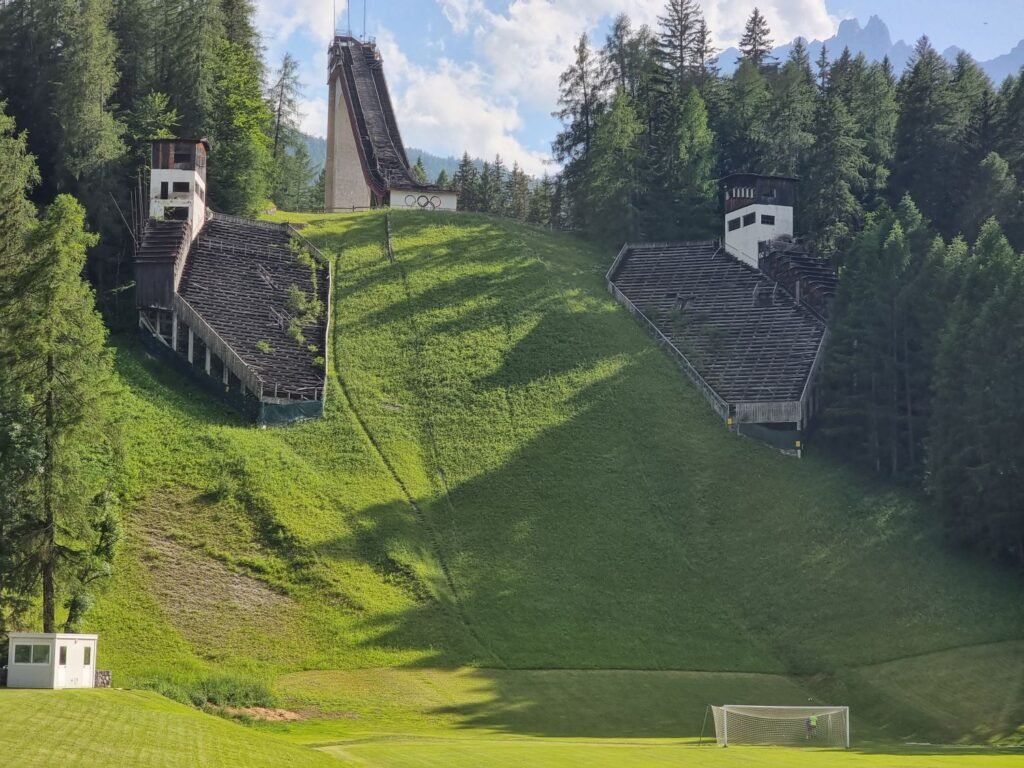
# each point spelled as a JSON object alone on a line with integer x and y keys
{"x": 38, "y": 660}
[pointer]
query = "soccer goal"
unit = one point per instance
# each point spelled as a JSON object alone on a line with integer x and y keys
{"x": 783, "y": 726}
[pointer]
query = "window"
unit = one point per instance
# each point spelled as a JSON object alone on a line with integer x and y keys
{"x": 23, "y": 654}
{"x": 40, "y": 654}
{"x": 87, "y": 655}
{"x": 766, "y": 219}
{"x": 749, "y": 219}
{"x": 734, "y": 224}
{"x": 181, "y": 186}
{"x": 165, "y": 191}
{"x": 182, "y": 158}
{"x": 62, "y": 658}
{"x": 773, "y": 192}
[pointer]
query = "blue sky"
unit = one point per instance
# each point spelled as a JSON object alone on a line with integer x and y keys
{"x": 482, "y": 75}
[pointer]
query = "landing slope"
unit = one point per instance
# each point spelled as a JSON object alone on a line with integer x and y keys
{"x": 512, "y": 476}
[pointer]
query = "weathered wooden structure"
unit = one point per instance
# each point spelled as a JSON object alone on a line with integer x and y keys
{"x": 751, "y": 337}
{"x": 240, "y": 304}
{"x": 367, "y": 165}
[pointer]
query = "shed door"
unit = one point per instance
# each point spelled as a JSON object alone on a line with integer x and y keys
{"x": 60, "y": 680}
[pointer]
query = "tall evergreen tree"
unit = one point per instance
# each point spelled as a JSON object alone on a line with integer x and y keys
{"x": 542, "y": 203}
{"x": 442, "y": 180}
{"x": 926, "y": 132}
{"x": 744, "y": 132}
{"x": 467, "y": 184}
{"x": 697, "y": 195}
{"x": 63, "y": 524}
{"x": 756, "y": 43}
{"x": 832, "y": 211}
{"x": 677, "y": 41}
{"x": 240, "y": 161}
{"x": 579, "y": 106}
{"x": 284, "y": 95}
{"x": 419, "y": 171}
{"x": 611, "y": 185}
{"x": 974, "y": 450}
{"x": 518, "y": 193}
{"x": 790, "y": 135}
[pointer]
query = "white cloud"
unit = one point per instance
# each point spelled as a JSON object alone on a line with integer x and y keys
{"x": 460, "y": 12}
{"x": 278, "y": 20}
{"x": 450, "y": 108}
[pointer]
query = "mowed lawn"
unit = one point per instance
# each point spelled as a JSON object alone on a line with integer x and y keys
{"x": 518, "y": 519}
{"x": 132, "y": 729}
{"x": 561, "y": 753}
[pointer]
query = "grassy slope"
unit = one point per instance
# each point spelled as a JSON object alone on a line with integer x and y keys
{"x": 526, "y": 482}
{"x": 89, "y": 729}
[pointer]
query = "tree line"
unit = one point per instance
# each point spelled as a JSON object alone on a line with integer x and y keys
{"x": 90, "y": 82}
{"x": 910, "y": 185}
{"x": 84, "y": 86}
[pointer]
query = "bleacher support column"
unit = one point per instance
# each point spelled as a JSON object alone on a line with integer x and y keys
{"x": 224, "y": 366}
{"x": 174, "y": 331}
{"x": 207, "y": 359}
{"x": 191, "y": 346}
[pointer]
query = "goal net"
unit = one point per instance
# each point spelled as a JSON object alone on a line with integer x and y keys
{"x": 785, "y": 726}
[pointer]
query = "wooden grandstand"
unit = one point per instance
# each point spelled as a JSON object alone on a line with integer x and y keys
{"x": 240, "y": 304}
{"x": 744, "y": 339}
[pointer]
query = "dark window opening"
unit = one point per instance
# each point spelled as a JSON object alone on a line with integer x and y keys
{"x": 734, "y": 224}
{"x": 87, "y": 656}
{"x": 165, "y": 190}
{"x": 749, "y": 219}
{"x": 63, "y": 656}
{"x": 766, "y": 219}
{"x": 181, "y": 186}
{"x": 182, "y": 158}
{"x": 176, "y": 214}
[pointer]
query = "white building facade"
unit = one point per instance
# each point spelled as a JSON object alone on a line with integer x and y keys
{"x": 56, "y": 661}
{"x": 758, "y": 208}
{"x": 177, "y": 185}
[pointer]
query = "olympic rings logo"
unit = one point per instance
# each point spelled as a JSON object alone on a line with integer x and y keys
{"x": 425, "y": 202}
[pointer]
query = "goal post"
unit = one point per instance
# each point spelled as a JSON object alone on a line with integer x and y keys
{"x": 783, "y": 726}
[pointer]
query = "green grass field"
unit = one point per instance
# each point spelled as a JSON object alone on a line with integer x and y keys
{"x": 519, "y": 521}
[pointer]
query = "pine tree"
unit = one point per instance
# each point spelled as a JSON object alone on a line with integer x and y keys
{"x": 486, "y": 202}
{"x": 239, "y": 28}
{"x": 993, "y": 193}
{"x": 240, "y": 161}
{"x": 756, "y": 43}
{"x": 518, "y": 193}
{"x": 792, "y": 115}
{"x": 611, "y": 185}
{"x": 419, "y": 171}
{"x": 579, "y": 106}
{"x": 284, "y": 95}
{"x": 745, "y": 131}
{"x": 677, "y": 40}
{"x": 467, "y": 184}
{"x": 973, "y": 447}
{"x": 1011, "y": 138}
{"x": 926, "y": 132}
{"x": 495, "y": 189}
{"x": 875, "y": 112}
{"x": 152, "y": 117}
{"x": 64, "y": 526}
{"x": 885, "y": 329}
{"x": 697, "y": 196}
{"x": 542, "y": 203}
{"x": 616, "y": 56}
{"x": 832, "y": 210}
{"x": 442, "y": 180}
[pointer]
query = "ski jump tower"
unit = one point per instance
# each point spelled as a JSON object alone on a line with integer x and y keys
{"x": 367, "y": 165}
